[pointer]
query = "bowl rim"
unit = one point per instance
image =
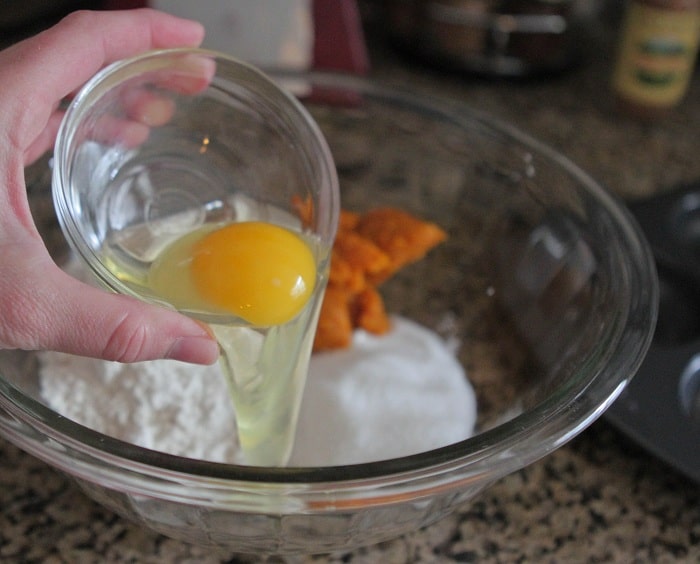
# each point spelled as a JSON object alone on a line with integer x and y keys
{"x": 514, "y": 444}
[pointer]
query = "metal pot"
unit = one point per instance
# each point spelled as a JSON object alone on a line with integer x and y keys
{"x": 497, "y": 37}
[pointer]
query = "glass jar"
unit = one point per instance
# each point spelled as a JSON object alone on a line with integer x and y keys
{"x": 656, "y": 56}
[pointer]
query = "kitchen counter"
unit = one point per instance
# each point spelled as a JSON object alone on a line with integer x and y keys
{"x": 600, "y": 498}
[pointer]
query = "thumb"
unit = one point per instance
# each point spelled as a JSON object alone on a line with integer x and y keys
{"x": 58, "y": 312}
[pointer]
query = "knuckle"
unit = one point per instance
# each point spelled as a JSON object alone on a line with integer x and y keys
{"x": 127, "y": 341}
{"x": 20, "y": 321}
{"x": 79, "y": 18}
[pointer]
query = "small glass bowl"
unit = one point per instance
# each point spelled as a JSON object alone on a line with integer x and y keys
{"x": 545, "y": 283}
{"x": 158, "y": 145}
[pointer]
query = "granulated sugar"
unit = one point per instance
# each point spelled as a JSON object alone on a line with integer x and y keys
{"x": 384, "y": 397}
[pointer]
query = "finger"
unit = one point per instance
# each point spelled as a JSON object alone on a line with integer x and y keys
{"x": 68, "y": 54}
{"x": 129, "y": 133}
{"x": 154, "y": 102}
{"x": 184, "y": 73}
{"x": 45, "y": 308}
{"x": 56, "y": 62}
{"x": 148, "y": 108}
{"x": 121, "y": 328}
{"x": 112, "y": 130}
{"x": 144, "y": 108}
{"x": 45, "y": 139}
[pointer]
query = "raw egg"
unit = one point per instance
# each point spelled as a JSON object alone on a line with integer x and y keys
{"x": 260, "y": 272}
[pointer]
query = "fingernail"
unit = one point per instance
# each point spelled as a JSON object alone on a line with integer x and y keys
{"x": 197, "y": 350}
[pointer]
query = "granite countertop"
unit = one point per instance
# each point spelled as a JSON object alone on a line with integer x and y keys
{"x": 600, "y": 498}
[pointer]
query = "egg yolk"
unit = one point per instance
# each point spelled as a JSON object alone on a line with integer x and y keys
{"x": 260, "y": 272}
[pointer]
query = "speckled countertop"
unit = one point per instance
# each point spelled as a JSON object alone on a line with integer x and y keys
{"x": 600, "y": 498}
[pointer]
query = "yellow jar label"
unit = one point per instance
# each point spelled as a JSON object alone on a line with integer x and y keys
{"x": 657, "y": 55}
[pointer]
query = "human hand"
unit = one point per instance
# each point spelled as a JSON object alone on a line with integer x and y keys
{"x": 41, "y": 307}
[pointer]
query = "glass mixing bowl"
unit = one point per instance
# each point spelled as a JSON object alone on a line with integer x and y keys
{"x": 545, "y": 283}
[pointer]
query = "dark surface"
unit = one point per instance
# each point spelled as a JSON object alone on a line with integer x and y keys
{"x": 661, "y": 407}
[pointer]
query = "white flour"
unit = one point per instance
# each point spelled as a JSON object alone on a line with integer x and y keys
{"x": 384, "y": 397}
{"x": 162, "y": 405}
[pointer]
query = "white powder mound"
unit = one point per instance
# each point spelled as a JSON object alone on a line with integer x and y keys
{"x": 163, "y": 405}
{"x": 384, "y": 397}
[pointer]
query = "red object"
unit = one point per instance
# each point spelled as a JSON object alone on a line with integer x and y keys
{"x": 124, "y": 4}
{"x": 339, "y": 42}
